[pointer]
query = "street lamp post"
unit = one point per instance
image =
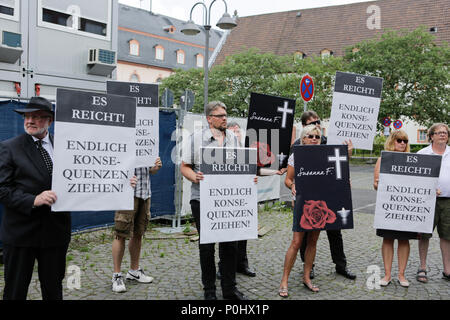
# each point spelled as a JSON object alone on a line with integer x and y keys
{"x": 191, "y": 29}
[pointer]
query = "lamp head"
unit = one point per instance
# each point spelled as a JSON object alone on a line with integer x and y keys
{"x": 190, "y": 28}
{"x": 226, "y": 22}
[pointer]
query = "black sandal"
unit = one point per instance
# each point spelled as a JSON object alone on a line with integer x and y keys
{"x": 445, "y": 276}
{"x": 422, "y": 278}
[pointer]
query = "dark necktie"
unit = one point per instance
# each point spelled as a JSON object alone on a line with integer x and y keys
{"x": 45, "y": 156}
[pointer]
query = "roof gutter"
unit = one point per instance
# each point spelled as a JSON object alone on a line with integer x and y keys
{"x": 218, "y": 48}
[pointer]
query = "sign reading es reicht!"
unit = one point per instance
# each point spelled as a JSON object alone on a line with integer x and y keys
{"x": 94, "y": 151}
{"x": 406, "y": 194}
{"x": 147, "y": 118}
{"x": 355, "y": 108}
{"x": 228, "y": 195}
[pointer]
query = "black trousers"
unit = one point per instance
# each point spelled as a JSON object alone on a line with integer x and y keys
{"x": 227, "y": 255}
{"x": 336, "y": 248}
{"x": 242, "y": 260}
{"x": 19, "y": 264}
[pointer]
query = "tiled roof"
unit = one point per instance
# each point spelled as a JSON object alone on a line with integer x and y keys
{"x": 334, "y": 27}
{"x": 148, "y": 29}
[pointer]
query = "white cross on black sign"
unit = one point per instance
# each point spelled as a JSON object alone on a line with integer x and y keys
{"x": 337, "y": 159}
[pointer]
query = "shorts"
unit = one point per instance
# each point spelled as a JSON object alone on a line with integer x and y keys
{"x": 441, "y": 219}
{"x": 132, "y": 222}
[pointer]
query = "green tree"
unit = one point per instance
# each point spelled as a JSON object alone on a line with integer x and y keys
{"x": 246, "y": 72}
{"x": 323, "y": 72}
{"x": 181, "y": 80}
{"x": 415, "y": 72}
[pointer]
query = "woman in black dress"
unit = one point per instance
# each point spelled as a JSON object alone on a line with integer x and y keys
{"x": 310, "y": 135}
{"x": 397, "y": 141}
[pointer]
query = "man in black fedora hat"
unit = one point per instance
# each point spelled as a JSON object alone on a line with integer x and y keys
{"x": 29, "y": 230}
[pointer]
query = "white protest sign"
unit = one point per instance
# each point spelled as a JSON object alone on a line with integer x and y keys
{"x": 354, "y": 110}
{"x": 94, "y": 151}
{"x": 228, "y": 195}
{"x": 406, "y": 195}
{"x": 147, "y": 118}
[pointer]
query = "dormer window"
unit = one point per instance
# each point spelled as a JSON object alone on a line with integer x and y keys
{"x": 134, "y": 47}
{"x": 299, "y": 55}
{"x": 180, "y": 56}
{"x": 159, "y": 52}
{"x": 170, "y": 29}
{"x": 200, "y": 60}
{"x": 326, "y": 53}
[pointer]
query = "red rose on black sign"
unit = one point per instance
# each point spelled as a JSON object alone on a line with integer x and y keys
{"x": 265, "y": 156}
{"x": 316, "y": 215}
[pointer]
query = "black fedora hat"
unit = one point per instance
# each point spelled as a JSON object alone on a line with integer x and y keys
{"x": 36, "y": 104}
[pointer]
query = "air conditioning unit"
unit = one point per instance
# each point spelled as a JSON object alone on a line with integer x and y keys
{"x": 10, "y": 46}
{"x": 101, "y": 62}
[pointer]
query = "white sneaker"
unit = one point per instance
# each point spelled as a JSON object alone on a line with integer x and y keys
{"x": 138, "y": 276}
{"x": 117, "y": 283}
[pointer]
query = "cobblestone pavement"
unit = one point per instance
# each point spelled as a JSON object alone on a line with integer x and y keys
{"x": 173, "y": 261}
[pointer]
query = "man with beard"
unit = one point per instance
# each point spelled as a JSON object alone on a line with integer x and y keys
{"x": 29, "y": 230}
{"x": 216, "y": 135}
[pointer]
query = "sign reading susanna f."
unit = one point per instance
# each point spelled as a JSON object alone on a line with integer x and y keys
{"x": 406, "y": 194}
{"x": 147, "y": 118}
{"x": 228, "y": 195}
{"x": 94, "y": 151}
{"x": 354, "y": 110}
{"x": 269, "y": 129}
{"x": 324, "y": 199}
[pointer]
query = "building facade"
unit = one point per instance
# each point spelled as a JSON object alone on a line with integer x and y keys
{"x": 49, "y": 44}
{"x": 151, "y": 46}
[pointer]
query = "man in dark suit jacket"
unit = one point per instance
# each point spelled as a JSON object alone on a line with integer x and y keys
{"x": 29, "y": 230}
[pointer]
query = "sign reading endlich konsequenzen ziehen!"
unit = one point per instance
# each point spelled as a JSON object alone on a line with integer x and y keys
{"x": 354, "y": 110}
{"x": 228, "y": 195}
{"x": 147, "y": 118}
{"x": 94, "y": 151}
{"x": 406, "y": 195}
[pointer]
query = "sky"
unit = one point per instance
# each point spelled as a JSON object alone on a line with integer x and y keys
{"x": 180, "y": 9}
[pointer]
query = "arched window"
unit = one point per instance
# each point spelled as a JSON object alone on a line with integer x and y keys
{"x": 200, "y": 60}
{"x": 135, "y": 77}
{"x": 299, "y": 55}
{"x": 134, "y": 47}
{"x": 325, "y": 53}
{"x": 159, "y": 52}
{"x": 180, "y": 56}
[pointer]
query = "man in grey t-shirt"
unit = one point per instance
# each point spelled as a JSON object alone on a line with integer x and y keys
{"x": 217, "y": 136}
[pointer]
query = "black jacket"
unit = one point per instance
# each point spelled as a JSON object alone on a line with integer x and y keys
{"x": 23, "y": 176}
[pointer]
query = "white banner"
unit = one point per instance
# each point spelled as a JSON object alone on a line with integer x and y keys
{"x": 94, "y": 152}
{"x": 147, "y": 118}
{"x": 354, "y": 110}
{"x": 228, "y": 200}
{"x": 268, "y": 187}
{"x": 406, "y": 195}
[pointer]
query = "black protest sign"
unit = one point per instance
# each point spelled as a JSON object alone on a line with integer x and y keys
{"x": 406, "y": 194}
{"x": 146, "y": 94}
{"x": 269, "y": 129}
{"x": 95, "y": 108}
{"x": 323, "y": 200}
{"x": 147, "y": 118}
